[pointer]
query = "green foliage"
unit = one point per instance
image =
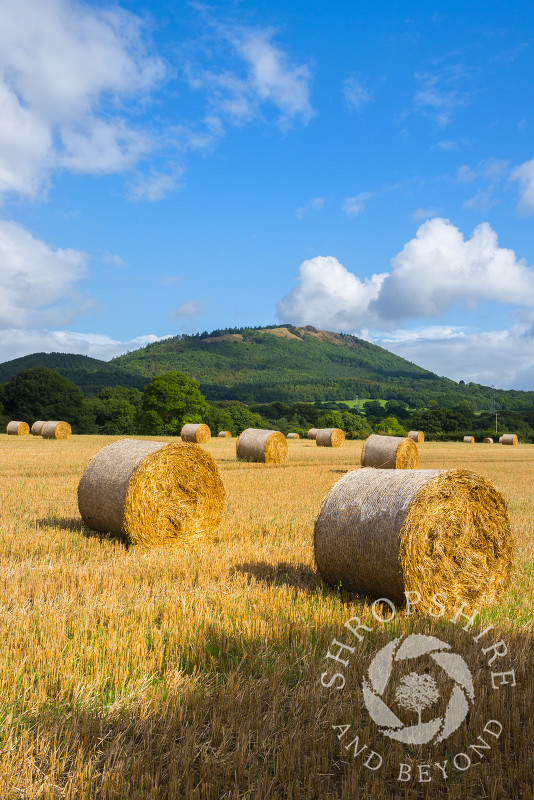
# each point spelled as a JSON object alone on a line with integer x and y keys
{"x": 218, "y": 419}
{"x": 115, "y": 410}
{"x": 392, "y": 427}
{"x": 168, "y": 402}
{"x": 243, "y": 418}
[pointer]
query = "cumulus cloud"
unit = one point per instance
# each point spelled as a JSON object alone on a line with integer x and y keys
{"x": 435, "y": 270}
{"x": 37, "y": 281}
{"x": 524, "y": 174}
{"x": 65, "y": 67}
{"x": 17, "y": 343}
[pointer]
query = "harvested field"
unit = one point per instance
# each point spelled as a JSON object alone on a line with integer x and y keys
{"x": 195, "y": 672}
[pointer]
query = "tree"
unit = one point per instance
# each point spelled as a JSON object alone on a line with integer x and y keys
{"x": 416, "y": 692}
{"x": 169, "y": 401}
{"x": 391, "y": 427}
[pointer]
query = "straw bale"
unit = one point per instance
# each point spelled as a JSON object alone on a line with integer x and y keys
{"x": 269, "y": 447}
{"x": 469, "y": 439}
{"x": 293, "y": 436}
{"x": 383, "y": 532}
{"x": 509, "y": 438}
{"x": 417, "y": 436}
{"x": 225, "y": 435}
{"x": 152, "y": 493}
{"x": 312, "y": 433}
{"x": 500, "y": 439}
{"x": 389, "y": 452}
{"x": 37, "y": 427}
{"x": 56, "y": 430}
{"x": 488, "y": 440}
{"x": 330, "y": 437}
{"x": 199, "y": 434}
{"x": 15, "y": 428}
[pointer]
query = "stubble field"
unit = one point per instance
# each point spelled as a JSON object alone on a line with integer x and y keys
{"x": 196, "y": 673}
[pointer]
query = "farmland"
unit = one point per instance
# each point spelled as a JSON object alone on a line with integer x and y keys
{"x": 196, "y": 673}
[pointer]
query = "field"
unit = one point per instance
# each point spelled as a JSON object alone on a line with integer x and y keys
{"x": 172, "y": 673}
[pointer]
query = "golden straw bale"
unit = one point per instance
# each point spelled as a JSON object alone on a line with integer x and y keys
{"x": 330, "y": 437}
{"x": 56, "y": 430}
{"x": 385, "y": 532}
{"x": 312, "y": 433}
{"x": 224, "y": 435}
{"x": 198, "y": 434}
{"x": 469, "y": 439}
{"x": 500, "y": 439}
{"x": 152, "y": 493}
{"x": 509, "y": 438}
{"x": 37, "y": 427}
{"x": 15, "y": 428}
{"x": 293, "y": 436}
{"x": 417, "y": 436}
{"x": 269, "y": 447}
{"x": 389, "y": 452}
{"x": 488, "y": 440}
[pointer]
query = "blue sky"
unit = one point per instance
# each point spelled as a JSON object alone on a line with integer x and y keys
{"x": 169, "y": 167}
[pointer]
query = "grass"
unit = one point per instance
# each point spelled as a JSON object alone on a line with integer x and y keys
{"x": 196, "y": 673}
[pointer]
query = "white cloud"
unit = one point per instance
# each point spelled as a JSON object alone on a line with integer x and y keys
{"x": 441, "y": 93}
{"x": 525, "y": 175}
{"x": 315, "y": 204}
{"x": 37, "y": 281}
{"x": 186, "y": 311}
{"x": 356, "y": 93}
{"x": 424, "y": 213}
{"x": 65, "y": 67}
{"x": 17, "y": 343}
{"x": 354, "y": 206}
{"x": 434, "y": 271}
{"x": 155, "y": 185}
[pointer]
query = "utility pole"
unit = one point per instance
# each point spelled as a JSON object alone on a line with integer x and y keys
{"x": 496, "y": 415}
{"x": 357, "y": 406}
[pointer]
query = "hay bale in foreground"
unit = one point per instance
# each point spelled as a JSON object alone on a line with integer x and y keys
{"x": 487, "y": 440}
{"x": 224, "y": 435}
{"x": 382, "y": 532}
{"x": 16, "y": 428}
{"x": 389, "y": 452}
{"x": 330, "y": 437}
{"x": 56, "y": 430}
{"x": 266, "y": 447}
{"x": 509, "y": 438}
{"x": 293, "y": 436}
{"x": 152, "y": 493}
{"x": 195, "y": 433}
{"x": 37, "y": 427}
{"x": 312, "y": 433}
{"x": 469, "y": 439}
{"x": 417, "y": 436}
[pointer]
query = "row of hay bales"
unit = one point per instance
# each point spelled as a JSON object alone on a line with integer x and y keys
{"x": 51, "y": 429}
{"x": 506, "y": 438}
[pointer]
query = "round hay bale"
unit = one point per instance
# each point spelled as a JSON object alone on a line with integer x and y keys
{"x": 381, "y": 533}
{"x": 15, "y": 428}
{"x": 469, "y": 439}
{"x": 37, "y": 427}
{"x": 312, "y": 433}
{"x": 330, "y": 437}
{"x": 389, "y": 452}
{"x": 152, "y": 493}
{"x": 196, "y": 433}
{"x": 509, "y": 438}
{"x": 224, "y": 435}
{"x": 267, "y": 447}
{"x": 293, "y": 436}
{"x": 417, "y": 436}
{"x": 500, "y": 439}
{"x": 56, "y": 430}
{"x": 488, "y": 440}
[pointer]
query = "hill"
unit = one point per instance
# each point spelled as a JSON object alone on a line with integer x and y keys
{"x": 90, "y": 374}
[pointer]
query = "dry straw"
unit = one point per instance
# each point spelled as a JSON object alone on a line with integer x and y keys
{"x": 469, "y": 439}
{"x": 417, "y": 436}
{"x": 56, "y": 430}
{"x": 389, "y": 452}
{"x": 382, "y": 533}
{"x": 152, "y": 493}
{"x": 15, "y": 428}
{"x": 312, "y": 433}
{"x": 269, "y": 447}
{"x": 500, "y": 439}
{"x": 330, "y": 437}
{"x": 509, "y": 438}
{"x": 198, "y": 434}
{"x": 224, "y": 435}
{"x": 488, "y": 440}
{"x": 293, "y": 436}
{"x": 37, "y": 427}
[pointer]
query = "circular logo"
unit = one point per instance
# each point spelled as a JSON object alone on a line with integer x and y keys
{"x": 416, "y": 691}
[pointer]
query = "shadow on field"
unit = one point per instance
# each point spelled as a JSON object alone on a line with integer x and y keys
{"x": 277, "y": 574}
{"x": 75, "y": 525}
